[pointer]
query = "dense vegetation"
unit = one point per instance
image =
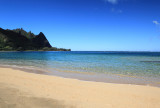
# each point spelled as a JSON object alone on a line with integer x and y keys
{"x": 20, "y": 40}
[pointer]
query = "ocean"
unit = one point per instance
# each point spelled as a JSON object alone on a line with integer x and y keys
{"x": 125, "y": 67}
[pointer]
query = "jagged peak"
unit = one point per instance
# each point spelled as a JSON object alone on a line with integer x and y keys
{"x": 41, "y": 34}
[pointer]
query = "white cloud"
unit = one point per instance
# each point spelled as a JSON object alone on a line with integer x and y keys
{"x": 112, "y": 1}
{"x": 115, "y": 1}
{"x": 156, "y": 22}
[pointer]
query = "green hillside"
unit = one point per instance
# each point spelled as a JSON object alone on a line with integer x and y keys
{"x": 20, "y": 40}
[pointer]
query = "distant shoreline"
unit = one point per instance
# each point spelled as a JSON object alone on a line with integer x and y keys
{"x": 33, "y": 51}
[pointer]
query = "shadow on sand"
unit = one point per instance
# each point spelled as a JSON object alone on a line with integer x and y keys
{"x": 13, "y": 98}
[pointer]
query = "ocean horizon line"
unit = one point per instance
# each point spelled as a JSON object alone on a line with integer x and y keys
{"x": 82, "y": 51}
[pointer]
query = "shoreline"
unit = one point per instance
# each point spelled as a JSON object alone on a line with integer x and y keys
{"x": 77, "y": 93}
{"x": 90, "y": 76}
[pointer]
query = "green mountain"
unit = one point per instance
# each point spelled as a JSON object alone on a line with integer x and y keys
{"x": 20, "y": 40}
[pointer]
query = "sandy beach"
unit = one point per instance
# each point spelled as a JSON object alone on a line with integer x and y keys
{"x": 20, "y": 89}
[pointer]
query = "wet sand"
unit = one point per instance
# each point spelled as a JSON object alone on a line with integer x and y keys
{"x": 90, "y": 76}
{"x": 20, "y": 89}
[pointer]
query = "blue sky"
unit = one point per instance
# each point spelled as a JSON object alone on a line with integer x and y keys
{"x": 89, "y": 25}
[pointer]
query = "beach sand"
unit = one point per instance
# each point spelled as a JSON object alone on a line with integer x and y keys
{"x": 20, "y": 89}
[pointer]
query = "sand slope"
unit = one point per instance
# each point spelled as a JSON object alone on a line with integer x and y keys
{"x": 13, "y": 98}
{"x": 63, "y": 92}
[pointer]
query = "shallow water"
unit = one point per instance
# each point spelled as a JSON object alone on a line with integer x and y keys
{"x": 144, "y": 65}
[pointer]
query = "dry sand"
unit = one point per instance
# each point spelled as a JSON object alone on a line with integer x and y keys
{"x": 20, "y": 89}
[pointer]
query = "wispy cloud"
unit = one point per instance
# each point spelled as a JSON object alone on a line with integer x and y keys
{"x": 156, "y": 22}
{"x": 115, "y": 1}
{"x": 116, "y": 10}
{"x": 112, "y": 1}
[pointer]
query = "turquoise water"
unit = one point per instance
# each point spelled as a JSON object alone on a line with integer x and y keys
{"x": 139, "y": 64}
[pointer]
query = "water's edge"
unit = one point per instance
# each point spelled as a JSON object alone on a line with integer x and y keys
{"x": 105, "y": 78}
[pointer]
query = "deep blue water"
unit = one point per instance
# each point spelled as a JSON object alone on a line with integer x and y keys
{"x": 142, "y": 64}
